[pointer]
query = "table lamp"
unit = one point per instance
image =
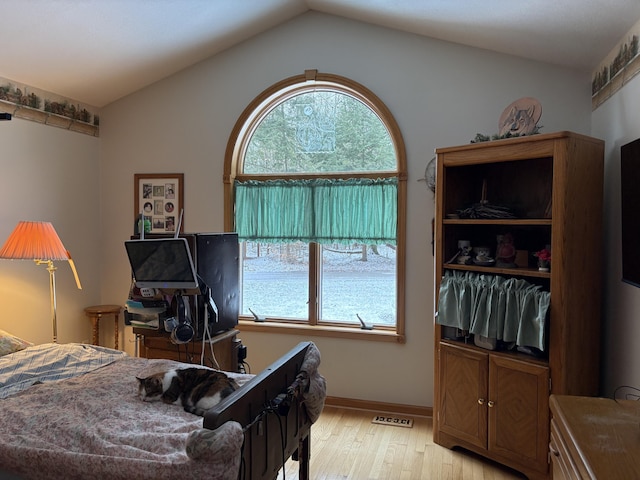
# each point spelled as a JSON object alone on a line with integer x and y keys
{"x": 39, "y": 241}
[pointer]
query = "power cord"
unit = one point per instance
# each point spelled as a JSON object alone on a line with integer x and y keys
{"x": 207, "y": 334}
{"x": 244, "y": 367}
{"x": 279, "y": 407}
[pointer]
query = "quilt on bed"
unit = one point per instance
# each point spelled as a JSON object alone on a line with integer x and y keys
{"x": 55, "y": 428}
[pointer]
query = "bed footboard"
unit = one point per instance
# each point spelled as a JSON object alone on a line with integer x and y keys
{"x": 276, "y": 424}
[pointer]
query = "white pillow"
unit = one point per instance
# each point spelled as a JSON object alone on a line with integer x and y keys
{"x": 10, "y": 343}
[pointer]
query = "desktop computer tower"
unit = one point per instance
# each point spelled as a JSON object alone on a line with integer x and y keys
{"x": 217, "y": 264}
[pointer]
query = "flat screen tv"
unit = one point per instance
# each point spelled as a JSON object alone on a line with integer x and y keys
{"x": 163, "y": 263}
{"x": 630, "y": 208}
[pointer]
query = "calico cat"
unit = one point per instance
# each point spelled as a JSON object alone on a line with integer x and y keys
{"x": 196, "y": 389}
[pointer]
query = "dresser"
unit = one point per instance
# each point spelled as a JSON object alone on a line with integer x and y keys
{"x": 594, "y": 438}
{"x": 157, "y": 344}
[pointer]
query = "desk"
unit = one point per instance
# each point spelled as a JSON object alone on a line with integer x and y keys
{"x": 594, "y": 438}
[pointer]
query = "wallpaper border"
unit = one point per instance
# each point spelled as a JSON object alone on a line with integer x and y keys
{"x": 617, "y": 68}
{"x": 29, "y": 103}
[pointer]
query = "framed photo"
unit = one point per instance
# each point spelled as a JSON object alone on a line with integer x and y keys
{"x": 159, "y": 197}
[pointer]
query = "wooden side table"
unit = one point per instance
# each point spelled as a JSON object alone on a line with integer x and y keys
{"x": 96, "y": 312}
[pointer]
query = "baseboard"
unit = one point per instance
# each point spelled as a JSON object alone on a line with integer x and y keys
{"x": 379, "y": 406}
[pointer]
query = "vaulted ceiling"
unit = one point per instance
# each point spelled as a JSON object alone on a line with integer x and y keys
{"x": 96, "y": 51}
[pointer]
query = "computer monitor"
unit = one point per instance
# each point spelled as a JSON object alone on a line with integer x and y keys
{"x": 163, "y": 263}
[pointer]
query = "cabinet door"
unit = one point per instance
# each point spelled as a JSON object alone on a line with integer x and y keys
{"x": 463, "y": 394}
{"x": 519, "y": 411}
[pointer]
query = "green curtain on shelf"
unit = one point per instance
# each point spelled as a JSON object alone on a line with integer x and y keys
{"x": 508, "y": 309}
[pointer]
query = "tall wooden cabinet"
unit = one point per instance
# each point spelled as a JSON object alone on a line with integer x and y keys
{"x": 495, "y": 402}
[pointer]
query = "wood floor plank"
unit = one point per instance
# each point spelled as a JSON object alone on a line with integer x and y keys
{"x": 346, "y": 445}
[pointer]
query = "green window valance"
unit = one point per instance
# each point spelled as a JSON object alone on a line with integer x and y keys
{"x": 362, "y": 210}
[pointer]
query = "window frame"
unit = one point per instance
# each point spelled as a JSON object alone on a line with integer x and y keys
{"x": 233, "y": 165}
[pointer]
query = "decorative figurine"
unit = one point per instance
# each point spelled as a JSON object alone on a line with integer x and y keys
{"x": 464, "y": 252}
{"x": 505, "y": 251}
{"x": 483, "y": 257}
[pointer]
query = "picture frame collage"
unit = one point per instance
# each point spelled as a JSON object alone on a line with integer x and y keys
{"x": 159, "y": 197}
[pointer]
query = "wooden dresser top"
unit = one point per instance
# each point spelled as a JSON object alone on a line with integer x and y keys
{"x": 602, "y": 435}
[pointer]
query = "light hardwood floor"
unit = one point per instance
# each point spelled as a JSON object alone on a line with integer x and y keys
{"x": 345, "y": 444}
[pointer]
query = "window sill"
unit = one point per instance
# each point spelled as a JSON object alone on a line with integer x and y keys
{"x": 320, "y": 331}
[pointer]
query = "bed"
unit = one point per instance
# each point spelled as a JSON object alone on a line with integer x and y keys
{"x": 71, "y": 411}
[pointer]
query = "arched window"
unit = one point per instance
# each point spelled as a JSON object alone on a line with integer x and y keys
{"x": 315, "y": 187}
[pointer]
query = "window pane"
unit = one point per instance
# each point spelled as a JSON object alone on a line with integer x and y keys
{"x": 275, "y": 280}
{"x": 320, "y": 131}
{"x": 359, "y": 280}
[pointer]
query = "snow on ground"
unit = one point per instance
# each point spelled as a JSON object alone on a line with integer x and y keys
{"x": 275, "y": 284}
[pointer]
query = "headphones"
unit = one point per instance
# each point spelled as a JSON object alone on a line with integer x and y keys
{"x": 181, "y": 331}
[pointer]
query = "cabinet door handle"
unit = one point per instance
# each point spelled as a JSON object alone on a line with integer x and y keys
{"x": 490, "y": 403}
{"x": 554, "y": 451}
{"x": 481, "y": 401}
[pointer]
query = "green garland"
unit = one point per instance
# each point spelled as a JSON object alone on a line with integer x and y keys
{"x": 485, "y": 138}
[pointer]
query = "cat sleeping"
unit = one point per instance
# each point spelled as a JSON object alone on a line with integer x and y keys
{"x": 196, "y": 389}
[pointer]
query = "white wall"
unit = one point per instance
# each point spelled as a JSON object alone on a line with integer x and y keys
{"x": 50, "y": 174}
{"x": 617, "y": 121}
{"x": 440, "y": 94}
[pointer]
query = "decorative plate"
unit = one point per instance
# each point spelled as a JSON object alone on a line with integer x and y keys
{"x": 520, "y": 117}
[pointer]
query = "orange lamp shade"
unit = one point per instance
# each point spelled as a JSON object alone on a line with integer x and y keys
{"x": 34, "y": 241}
